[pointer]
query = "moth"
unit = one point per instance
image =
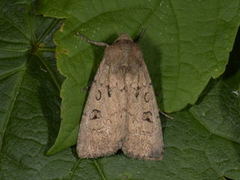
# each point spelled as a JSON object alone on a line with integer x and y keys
{"x": 121, "y": 111}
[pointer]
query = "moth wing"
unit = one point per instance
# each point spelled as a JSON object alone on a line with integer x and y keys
{"x": 144, "y": 138}
{"x": 101, "y": 128}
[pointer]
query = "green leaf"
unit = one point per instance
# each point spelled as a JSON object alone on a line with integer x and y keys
{"x": 201, "y": 142}
{"x": 185, "y": 44}
{"x": 219, "y": 112}
{"x": 29, "y": 95}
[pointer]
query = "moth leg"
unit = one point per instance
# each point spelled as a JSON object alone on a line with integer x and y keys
{"x": 166, "y": 115}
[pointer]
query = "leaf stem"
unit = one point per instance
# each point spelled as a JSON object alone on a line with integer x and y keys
{"x": 100, "y": 171}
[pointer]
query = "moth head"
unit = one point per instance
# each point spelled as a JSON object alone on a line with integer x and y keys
{"x": 124, "y": 37}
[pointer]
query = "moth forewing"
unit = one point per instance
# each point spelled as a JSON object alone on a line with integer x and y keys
{"x": 144, "y": 138}
{"x": 101, "y": 129}
{"x": 121, "y": 111}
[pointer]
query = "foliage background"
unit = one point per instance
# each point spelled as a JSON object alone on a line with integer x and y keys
{"x": 186, "y": 47}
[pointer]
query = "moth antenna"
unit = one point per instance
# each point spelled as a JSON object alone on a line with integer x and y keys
{"x": 96, "y": 43}
{"x": 140, "y": 34}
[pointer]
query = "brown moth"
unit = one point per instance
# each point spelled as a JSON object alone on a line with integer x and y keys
{"x": 121, "y": 111}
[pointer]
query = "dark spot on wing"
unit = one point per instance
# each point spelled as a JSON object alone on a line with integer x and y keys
{"x": 147, "y": 116}
{"x": 95, "y": 114}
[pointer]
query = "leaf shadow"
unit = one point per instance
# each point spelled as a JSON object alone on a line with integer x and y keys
{"x": 152, "y": 57}
{"x": 232, "y": 71}
{"x": 233, "y": 65}
{"x": 48, "y": 94}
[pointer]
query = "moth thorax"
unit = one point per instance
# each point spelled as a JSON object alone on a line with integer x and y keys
{"x": 124, "y": 37}
{"x": 124, "y": 69}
